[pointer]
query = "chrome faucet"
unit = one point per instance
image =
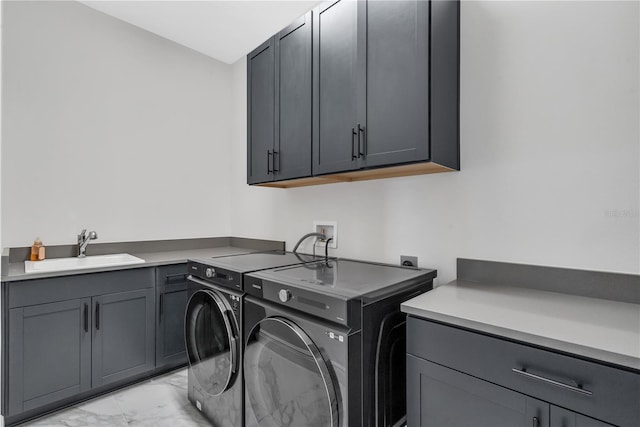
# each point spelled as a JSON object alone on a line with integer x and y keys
{"x": 83, "y": 241}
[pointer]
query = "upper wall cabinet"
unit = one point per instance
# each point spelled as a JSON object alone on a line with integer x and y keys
{"x": 279, "y": 106}
{"x": 385, "y": 93}
{"x": 336, "y": 73}
{"x": 260, "y": 112}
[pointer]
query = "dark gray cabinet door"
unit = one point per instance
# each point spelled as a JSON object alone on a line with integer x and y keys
{"x": 171, "y": 296}
{"x": 292, "y": 155}
{"x": 49, "y": 353}
{"x": 441, "y": 397}
{"x": 336, "y": 72}
{"x": 397, "y": 80}
{"x": 561, "y": 417}
{"x": 123, "y": 335}
{"x": 260, "y": 113}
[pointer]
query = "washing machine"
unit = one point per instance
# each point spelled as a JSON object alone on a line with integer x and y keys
{"x": 213, "y": 330}
{"x": 324, "y": 344}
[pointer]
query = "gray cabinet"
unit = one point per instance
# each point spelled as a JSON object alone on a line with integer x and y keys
{"x": 438, "y": 397}
{"x": 68, "y": 337}
{"x": 336, "y": 94}
{"x": 49, "y": 353}
{"x": 172, "y": 296}
{"x": 279, "y": 105}
{"x": 385, "y": 92}
{"x": 371, "y": 82}
{"x": 260, "y": 112}
{"x": 292, "y": 152}
{"x": 561, "y": 417}
{"x": 397, "y": 82}
{"x": 123, "y": 336}
{"x": 386, "y": 84}
{"x": 447, "y": 363}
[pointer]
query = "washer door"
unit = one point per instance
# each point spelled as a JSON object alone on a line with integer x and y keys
{"x": 287, "y": 381}
{"x": 212, "y": 341}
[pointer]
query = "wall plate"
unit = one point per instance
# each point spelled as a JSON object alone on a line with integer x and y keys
{"x": 330, "y": 229}
{"x": 408, "y": 261}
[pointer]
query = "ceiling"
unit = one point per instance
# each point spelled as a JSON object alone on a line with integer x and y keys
{"x": 223, "y": 29}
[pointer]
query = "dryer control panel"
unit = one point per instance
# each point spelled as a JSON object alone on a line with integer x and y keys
{"x": 332, "y": 308}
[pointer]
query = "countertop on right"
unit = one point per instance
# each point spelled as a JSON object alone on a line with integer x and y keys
{"x": 599, "y": 329}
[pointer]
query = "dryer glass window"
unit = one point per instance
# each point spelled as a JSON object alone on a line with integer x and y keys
{"x": 211, "y": 341}
{"x": 287, "y": 382}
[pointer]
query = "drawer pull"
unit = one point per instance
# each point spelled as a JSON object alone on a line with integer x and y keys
{"x": 552, "y": 382}
{"x": 180, "y": 276}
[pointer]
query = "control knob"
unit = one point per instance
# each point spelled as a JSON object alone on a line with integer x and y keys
{"x": 209, "y": 272}
{"x": 284, "y": 295}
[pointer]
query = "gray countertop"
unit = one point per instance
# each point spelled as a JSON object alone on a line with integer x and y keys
{"x": 154, "y": 254}
{"x": 595, "y": 328}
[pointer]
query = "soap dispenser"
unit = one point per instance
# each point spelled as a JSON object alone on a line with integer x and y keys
{"x": 37, "y": 250}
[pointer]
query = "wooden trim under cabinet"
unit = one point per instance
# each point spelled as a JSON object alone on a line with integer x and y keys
{"x": 363, "y": 175}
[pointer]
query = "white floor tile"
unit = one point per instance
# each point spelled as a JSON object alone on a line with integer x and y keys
{"x": 159, "y": 402}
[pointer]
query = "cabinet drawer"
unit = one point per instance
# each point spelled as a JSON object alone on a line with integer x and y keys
{"x": 171, "y": 274}
{"x": 42, "y": 291}
{"x": 614, "y": 392}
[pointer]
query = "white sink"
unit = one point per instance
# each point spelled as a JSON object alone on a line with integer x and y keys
{"x": 97, "y": 261}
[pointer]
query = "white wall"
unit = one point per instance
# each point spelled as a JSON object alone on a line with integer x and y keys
{"x": 108, "y": 127}
{"x": 115, "y": 129}
{"x": 549, "y": 152}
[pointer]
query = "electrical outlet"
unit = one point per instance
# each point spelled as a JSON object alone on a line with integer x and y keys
{"x": 329, "y": 229}
{"x": 408, "y": 261}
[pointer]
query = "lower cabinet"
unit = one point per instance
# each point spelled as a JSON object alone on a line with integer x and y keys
{"x": 49, "y": 353}
{"x": 460, "y": 377}
{"x": 123, "y": 336}
{"x": 442, "y": 397}
{"x": 172, "y": 296}
{"x": 561, "y": 417}
{"x": 438, "y": 396}
{"x": 58, "y": 351}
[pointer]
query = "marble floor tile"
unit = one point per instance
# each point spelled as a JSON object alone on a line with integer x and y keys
{"x": 176, "y": 378}
{"x": 159, "y": 402}
{"x": 103, "y": 411}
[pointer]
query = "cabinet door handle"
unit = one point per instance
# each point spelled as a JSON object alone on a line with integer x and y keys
{"x": 353, "y": 144}
{"x": 161, "y": 307}
{"x": 361, "y": 150}
{"x": 168, "y": 277}
{"x": 269, "y": 162}
{"x": 86, "y": 317}
{"x": 578, "y": 389}
{"x": 97, "y": 316}
{"x": 535, "y": 422}
{"x": 273, "y": 163}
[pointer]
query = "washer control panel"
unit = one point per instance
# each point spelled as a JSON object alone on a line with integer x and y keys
{"x": 219, "y": 276}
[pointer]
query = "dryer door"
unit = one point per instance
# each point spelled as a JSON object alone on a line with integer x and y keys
{"x": 212, "y": 341}
{"x": 287, "y": 381}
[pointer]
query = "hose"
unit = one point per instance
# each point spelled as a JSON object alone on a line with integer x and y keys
{"x": 306, "y": 236}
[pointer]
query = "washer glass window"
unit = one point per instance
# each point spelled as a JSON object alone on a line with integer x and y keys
{"x": 287, "y": 381}
{"x": 211, "y": 335}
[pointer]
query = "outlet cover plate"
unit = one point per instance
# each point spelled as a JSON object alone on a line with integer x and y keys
{"x": 411, "y": 259}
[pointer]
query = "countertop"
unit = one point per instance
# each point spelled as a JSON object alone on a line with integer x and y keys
{"x": 595, "y": 328}
{"x": 153, "y": 253}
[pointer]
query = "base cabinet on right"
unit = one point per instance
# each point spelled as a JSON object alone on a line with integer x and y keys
{"x": 442, "y": 397}
{"x": 439, "y": 396}
{"x": 561, "y": 417}
{"x": 459, "y": 377}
